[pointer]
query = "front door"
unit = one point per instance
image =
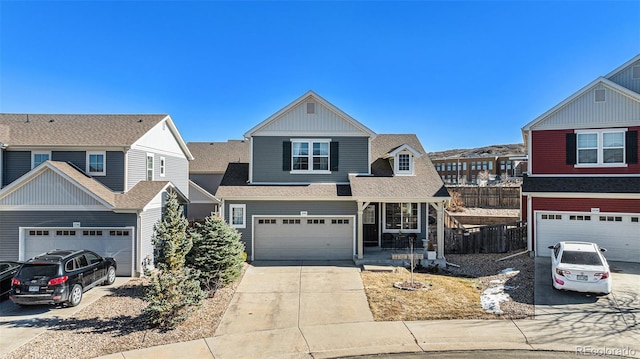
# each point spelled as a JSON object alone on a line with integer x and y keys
{"x": 370, "y": 225}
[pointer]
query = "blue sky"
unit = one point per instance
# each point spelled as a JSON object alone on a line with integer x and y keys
{"x": 459, "y": 74}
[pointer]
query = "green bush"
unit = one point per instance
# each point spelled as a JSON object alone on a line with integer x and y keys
{"x": 170, "y": 236}
{"x": 172, "y": 295}
{"x": 217, "y": 252}
{"x": 174, "y": 289}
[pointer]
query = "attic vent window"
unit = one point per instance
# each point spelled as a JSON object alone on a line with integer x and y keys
{"x": 599, "y": 95}
{"x": 636, "y": 72}
{"x": 311, "y": 108}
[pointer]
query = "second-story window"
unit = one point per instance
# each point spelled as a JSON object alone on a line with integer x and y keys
{"x": 310, "y": 156}
{"x": 149, "y": 167}
{"x": 162, "y": 166}
{"x": 96, "y": 163}
{"x": 39, "y": 157}
{"x": 404, "y": 164}
{"x": 600, "y": 147}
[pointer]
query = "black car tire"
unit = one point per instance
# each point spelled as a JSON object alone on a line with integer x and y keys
{"x": 111, "y": 276}
{"x": 75, "y": 295}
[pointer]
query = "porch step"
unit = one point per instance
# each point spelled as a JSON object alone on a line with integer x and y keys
{"x": 377, "y": 268}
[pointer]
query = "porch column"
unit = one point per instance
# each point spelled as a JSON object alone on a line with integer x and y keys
{"x": 440, "y": 229}
{"x": 360, "y": 249}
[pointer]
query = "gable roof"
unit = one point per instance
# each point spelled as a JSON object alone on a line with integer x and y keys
{"x": 135, "y": 199}
{"x": 80, "y": 130}
{"x": 601, "y": 81}
{"x": 213, "y": 157}
{"x": 623, "y": 67}
{"x": 401, "y": 148}
{"x": 302, "y": 99}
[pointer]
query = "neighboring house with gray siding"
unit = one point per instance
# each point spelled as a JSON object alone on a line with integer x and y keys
{"x": 87, "y": 181}
{"x": 206, "y": 171}
{"x": 317, "y": 184}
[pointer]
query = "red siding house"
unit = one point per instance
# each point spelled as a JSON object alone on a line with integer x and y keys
{"x": 583, "y": 181}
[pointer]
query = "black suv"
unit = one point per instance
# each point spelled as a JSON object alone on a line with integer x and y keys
{"x": 61, "y": 276}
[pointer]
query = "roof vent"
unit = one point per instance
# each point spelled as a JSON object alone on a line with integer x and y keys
{"x": 311, "y": 108}
{"x": 599, "y": 95}
{"x": 140, "y": 120}
{"x": 51, "y": 120}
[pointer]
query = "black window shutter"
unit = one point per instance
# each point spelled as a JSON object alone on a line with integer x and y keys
{"x": 286, "y": 156}
{"x": 571, "y": 148}
{"x": 631, "y": 145}
{"x": 334, "y": 156}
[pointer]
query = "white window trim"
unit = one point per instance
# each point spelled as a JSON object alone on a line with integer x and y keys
{"x": 104, "y": 165}
{"x": 396, "y": 169}
{"x": 384, "y": 220}
{"x": 163, "y": 163}
{"x": 34, "y": 153}
{"x": 244, "y": 215}
{"x": 600, "y": 149}
{"x": 310, "y": 143}
{"x": 146, "y": 167}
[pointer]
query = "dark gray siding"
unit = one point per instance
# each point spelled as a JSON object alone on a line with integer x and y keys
{"x": 209, "y": 181}
{"x": 115, "y": 166}
{"x": 10, "y": 221}
{"x": 293, "y": 208}
{"x": 267, "y": 160}
{"x": 15, "y": 163}
{"x": 199, "y": 211}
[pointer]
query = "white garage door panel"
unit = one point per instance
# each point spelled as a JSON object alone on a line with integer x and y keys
{"x": 118, "y": 247}
{"x": 321, "y": 241}
{"x": 620, "y": 238}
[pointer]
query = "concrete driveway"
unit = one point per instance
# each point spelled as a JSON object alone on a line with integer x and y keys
{"x": 18, "y": 325}
{"x": 278, "y": 295}
{"x": 581, "y": 318}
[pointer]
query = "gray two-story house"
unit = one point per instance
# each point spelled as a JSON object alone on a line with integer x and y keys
{"x": 320, "y": 185}
{"x": 97, "y": 182}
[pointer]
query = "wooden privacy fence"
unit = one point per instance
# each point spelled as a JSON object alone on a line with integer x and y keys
{"x": 499, "y": 238}
{"x": 488, "y": 197}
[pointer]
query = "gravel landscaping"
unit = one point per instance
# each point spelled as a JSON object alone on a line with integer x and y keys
{"x": 114, "y": 324}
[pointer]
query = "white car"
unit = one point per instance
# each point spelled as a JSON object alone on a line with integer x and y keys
{"x": 580, "y": 267}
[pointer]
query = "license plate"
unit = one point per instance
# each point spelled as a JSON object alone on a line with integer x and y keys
{"x": 582, "y": 277}
{"x": 34, "y": 288}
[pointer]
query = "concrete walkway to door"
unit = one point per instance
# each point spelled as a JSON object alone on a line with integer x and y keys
{"x": 280, "y": 295}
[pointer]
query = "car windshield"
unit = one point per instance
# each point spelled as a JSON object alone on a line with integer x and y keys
{"x": 578, "y": 257}
{"x": 33, "y": 271}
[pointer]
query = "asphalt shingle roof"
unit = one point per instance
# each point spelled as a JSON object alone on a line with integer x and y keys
{"x": 72, "y": 130}
{"x": 213, "y": 157}
{"x": 581, "y": 184}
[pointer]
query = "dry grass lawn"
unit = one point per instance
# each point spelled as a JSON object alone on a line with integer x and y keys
{"x": 445, "y": 298}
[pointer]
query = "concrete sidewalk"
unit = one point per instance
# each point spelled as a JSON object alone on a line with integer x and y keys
{"x": 350, "y": 339}
{"x": 315, "y": 310}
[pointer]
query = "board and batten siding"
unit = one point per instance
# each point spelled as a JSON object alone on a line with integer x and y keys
{"x": 176, "y": 170}
{"x": 11, "y": 221}
{"x": 290, "y": 208}
{"x": 625, "y": 78}
{"x": 267, "y": 160}
{"x": 585, "y": 112}
{"x": 16, "y": 164}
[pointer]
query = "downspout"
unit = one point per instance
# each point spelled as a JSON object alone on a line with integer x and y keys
{"x": 530, "y": 221}
{"x": 2, "y": 146}
{"x": 138, "y": 271}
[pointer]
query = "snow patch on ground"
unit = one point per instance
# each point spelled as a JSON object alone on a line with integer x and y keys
{"x": 494, "y": 295}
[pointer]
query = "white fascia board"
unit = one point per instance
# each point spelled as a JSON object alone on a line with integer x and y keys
{"x": 622, "y": 67}
{"x": 281, "y": 198}
{"x": 54, "y": 208}
{"x": 179, "y": 138}
{"x": 600, "y": 80}
{"x": 402, "y": 148}
{"x": 583, "y": 195}
{"x": 351, "y": 120}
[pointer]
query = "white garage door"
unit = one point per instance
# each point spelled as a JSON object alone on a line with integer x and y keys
{"x": 107, "y": 242}
{"x": 618, "y": 233}
{"x": 309, "y": 238}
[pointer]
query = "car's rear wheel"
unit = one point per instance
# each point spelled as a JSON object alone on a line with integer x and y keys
{"x": 111, "y": 276}
{"x": 75, "y": 296}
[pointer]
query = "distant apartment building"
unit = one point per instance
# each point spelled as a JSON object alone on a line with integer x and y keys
{"x": 466, "y": 170}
